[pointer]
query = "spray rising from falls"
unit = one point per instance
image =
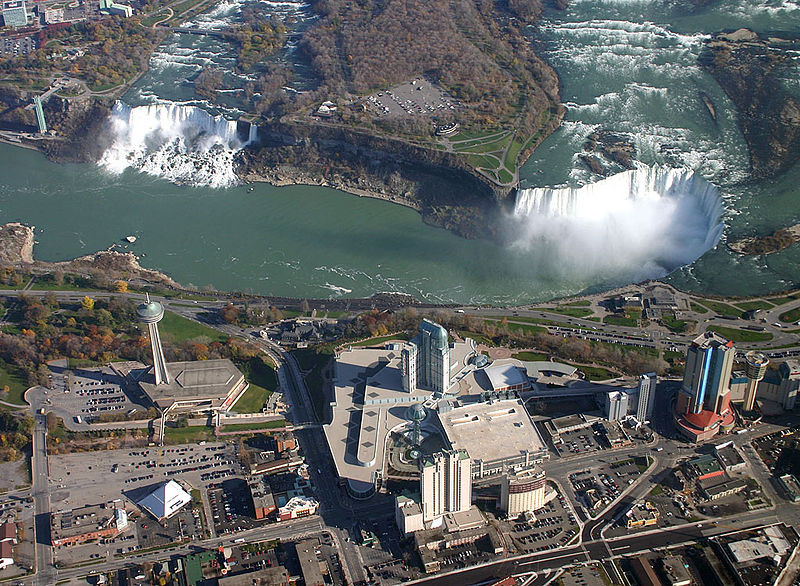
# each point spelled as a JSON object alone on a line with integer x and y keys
{"x": 183, "y": 144}
{"x": 634, "y": 225}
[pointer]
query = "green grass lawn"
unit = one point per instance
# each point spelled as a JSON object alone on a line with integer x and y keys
{"x": 178, "y": 329}
{"x": 381, "y": 339}
{"x": 505, "y": 176}
{"x": 17, "y": 384}
{"x": 722, "y": 308}
{"x": 185, "y": 435}
{"x": 45, "y": 283}
{"x": 697, "y": 308}
{"x": 527, "y": 320}
{"x": 737, "y": 335}
{"x": 530, "y": 356}
{"x": 254, "y": 426}
{"x": 785, "y": 299}
{"x": 753, "y": 305}
{"x": 512, "y": 153}
{"x": 616, "y": 320}
{"x": 595, "y": 373}
{"x": 674, "y": 325}
{"x": 579, "y": 303}
{"x": 252, "y": 400}
{"x": 512, "y": 327}
{"x": 484, "y": 161}
{"x": 479, "y": 338}
{"x": 790, "y": 316}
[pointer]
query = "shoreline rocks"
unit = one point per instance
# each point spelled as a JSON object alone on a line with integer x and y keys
{"x": 744, "y": 66}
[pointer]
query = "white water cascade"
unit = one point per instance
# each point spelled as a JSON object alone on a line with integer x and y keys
{"x": 183, "y": 144}
{"x": 635, "y": 225}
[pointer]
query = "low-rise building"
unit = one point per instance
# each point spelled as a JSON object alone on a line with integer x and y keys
{"x": 675, "y": 571}
{"x": 642, "y": 515}
{"x": 263, "y": 501}
{"x": 309, "y": 564}
{"x": 644, "y": 572}
{"x": 766, "y": 543}
{"x": 717, "y": 487}
{"x": 703, "y": 467}
{"x": 298, "y": 506}
{"x": 729, "y": 457}
{"x": 790, "y": 487}
{"x": 497, "y": 435}
{"x": 92, "y": 522}
{"x": 431, "y": 541}
{"x": 275, "y": 576}
{"x": 558, "y": 425}
{"x": 507, "y": 377}
{"x": 6, "y": 554}
{"x": 408, "y": 515}
{"x": 8, "y": 532}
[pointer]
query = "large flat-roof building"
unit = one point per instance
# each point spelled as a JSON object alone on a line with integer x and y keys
{"x": 92, "y": 522}
{"x": 497, "y": 435}
{"x": 202, "y": 385}
{"x": 371, "y": 399}
{"x": 15, "y": 13}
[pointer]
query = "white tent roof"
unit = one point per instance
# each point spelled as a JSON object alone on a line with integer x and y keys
{"x": 166, "y": 500}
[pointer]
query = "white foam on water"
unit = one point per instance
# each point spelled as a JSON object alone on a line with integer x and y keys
{"x": 183, "y": 144}
{"x": 634, "y": 225}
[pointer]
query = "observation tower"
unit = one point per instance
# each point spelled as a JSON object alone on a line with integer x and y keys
{"x": 150, "y": 313}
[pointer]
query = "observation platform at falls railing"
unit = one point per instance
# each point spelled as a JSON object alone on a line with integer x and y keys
{"x": 196, "y": 31}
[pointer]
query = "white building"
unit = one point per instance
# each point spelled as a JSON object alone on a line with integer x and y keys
{"x": 165, "y": 500}
{"x": 616, "y": 405}
{"x": 408, "y": 515}
{"x": 647, "y": 396}
{"x": 523, "y": 491}
{"x": 445, "y": 483}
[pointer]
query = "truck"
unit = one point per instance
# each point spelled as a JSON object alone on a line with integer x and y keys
{"x": 78, "y": 419}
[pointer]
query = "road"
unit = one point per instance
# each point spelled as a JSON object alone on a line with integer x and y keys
{"x": 591, "y": 551}
{"x": 45, "y": 574}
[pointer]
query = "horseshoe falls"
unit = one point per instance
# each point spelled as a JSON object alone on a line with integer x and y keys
{"x": 636, "y": 224}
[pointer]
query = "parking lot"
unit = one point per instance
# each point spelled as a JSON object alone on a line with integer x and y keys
{"x": 777, "y": 450}
{"x": 85, "y": 396}
{"x": 231, "y": 506}
{"x": 550, "y": 527}
{"x": 17, "y": 46}
{"x": 74, "y": 476}
{"x": 417, "y": 97}
{"x": 597, "y": 486}
{"x": 581, "y": 441}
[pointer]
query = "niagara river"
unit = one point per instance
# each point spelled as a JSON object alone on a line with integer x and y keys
{"x": 626, "y": 66}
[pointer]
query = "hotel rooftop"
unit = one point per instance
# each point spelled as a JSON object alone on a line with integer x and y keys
{"x": 369, "y": 403}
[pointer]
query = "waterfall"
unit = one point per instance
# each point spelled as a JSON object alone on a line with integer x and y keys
{"x": 642, "y": 223}
{"x": 183, "y": 144}
{"x": 253, "y": 137}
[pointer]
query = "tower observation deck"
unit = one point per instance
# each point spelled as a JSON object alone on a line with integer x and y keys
{"x": 150, "y": 313}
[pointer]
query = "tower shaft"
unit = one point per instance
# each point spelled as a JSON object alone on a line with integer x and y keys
{"x": 159, "y": 363}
